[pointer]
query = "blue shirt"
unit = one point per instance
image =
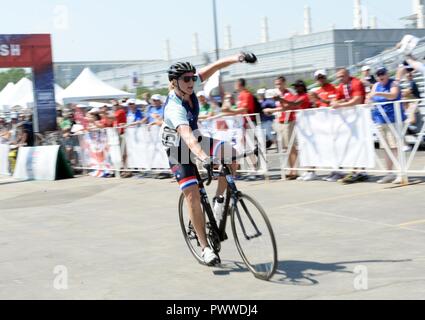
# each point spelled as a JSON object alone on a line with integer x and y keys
{"x": 267, "y": 104}
{"x": 134, "y": 116}
{"x": 154, "y": 110}
{"x": 389, "y": 108}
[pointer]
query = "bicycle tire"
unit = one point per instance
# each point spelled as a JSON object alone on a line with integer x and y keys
{"x": 235, "y": 217}
{"x": 185, "y": 231}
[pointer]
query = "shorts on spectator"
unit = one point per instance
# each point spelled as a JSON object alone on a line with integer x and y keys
{"x": 286, "y": 131}
{"x": 388, "y": 136}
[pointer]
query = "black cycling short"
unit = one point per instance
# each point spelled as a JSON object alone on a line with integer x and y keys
{"x": 182, "y": 160}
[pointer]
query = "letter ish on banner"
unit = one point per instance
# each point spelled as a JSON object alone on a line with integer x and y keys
{"x": 34, "y": 51}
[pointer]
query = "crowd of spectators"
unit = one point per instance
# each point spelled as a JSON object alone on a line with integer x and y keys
{"x": 276, "y": 106}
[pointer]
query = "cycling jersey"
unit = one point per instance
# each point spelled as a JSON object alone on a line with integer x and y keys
{"x": 177, "y": 112}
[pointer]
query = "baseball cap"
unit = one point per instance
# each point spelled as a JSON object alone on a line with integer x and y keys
{"x": 94, "y": 110}
{"x": 156, "y": 97}
{"x": 366, "y": 68}
{"x": 200, "y": 94}
{"x": 320, "y": 73}
{"x": 131, "y": 101}
{"x": 271, "y": 93}
{"x": 381, "y": 71}
{"x": 261, "y": 91}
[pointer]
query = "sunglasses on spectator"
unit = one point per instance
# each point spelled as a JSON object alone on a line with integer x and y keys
{"x": 187, "y": 79}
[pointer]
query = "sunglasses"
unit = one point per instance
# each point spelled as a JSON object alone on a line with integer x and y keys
{"x": 187, "y": 79}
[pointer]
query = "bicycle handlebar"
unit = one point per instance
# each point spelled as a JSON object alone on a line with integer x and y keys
{"x": 235, "y": 158}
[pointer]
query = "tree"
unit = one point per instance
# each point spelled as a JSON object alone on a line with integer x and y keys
{"x": 142, "y": 90}
{"x": 11, "y": 75}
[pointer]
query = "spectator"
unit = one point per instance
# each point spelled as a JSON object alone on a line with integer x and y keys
{"x": 350, "y": 93}
{"x": 246, "y": 102}
{"x": 412, "y": 85}
{"x": 106, "y": 121}
{"x": 229, "y": 102}
{"x": 323, "y": 97}
{"x": 387, "y": 90}
{"x": 66, "y": 122}
{"x": 261, "y": 95}
{"x": 326, "y": 92}
{"x": 134, "y": 115}
{"x": 266, "y": 119}
{"x": 155, "y": 113}
{"x": 288, "y": 104}
{"x": 93, "y": 119}
{"x": 205, "y": 109}
{"x": 120, "y": 116}
{"x": 368, "y": 79}
{"x": 28, "y": 131}
{"x": 4, "y": 132}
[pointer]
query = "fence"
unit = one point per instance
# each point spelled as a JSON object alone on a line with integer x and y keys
{"x": 139, "y": 148}
{"x": 350, "y": 138}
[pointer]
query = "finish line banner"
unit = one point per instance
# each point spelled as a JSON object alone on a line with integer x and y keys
{"x": 336, "y": 138}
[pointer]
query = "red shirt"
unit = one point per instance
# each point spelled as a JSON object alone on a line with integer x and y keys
{"x": 354, "y": 89}
{"x": 120, "y": 118}
{"x": 325, "y": 93}
{"x": 106, "y": 123}
{"x": 305, "y": 104}
{"x": 246, "y": 100}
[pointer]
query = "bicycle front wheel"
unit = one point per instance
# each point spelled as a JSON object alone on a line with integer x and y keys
{"x": 254, "y": 237}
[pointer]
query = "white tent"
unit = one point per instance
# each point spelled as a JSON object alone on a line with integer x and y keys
{"x": 22, "y": 94}
{"x": 4, "y": 96}
{"x": 88, "y": 87}
{"x": 58, "y": 94}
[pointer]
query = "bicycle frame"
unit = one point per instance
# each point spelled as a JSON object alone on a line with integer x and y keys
{"x": 232, "y": 194}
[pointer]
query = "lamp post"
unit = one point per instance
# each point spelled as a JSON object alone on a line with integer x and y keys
{"x": 217, "y": 53}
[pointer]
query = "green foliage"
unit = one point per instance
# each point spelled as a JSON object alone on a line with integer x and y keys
{"x": 11, "y": 75}
{"x": 142, "y": 90}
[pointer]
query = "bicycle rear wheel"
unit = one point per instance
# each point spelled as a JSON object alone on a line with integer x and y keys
{"x": 254, "y": 237}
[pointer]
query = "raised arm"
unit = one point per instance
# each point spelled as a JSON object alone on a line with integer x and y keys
{"x": 209, "y": 70}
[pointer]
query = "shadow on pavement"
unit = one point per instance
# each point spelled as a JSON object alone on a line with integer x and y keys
{"x": 300, "y": 273}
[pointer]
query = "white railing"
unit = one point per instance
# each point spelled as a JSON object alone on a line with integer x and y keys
{"x": 403, "y": 162}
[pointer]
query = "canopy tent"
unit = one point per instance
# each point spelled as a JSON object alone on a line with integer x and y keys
{"x": 22, "y": 94}
{"x": 88, "y": 87}
{"x": 5, "y": 94}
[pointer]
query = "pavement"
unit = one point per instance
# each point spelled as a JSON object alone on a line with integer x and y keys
{"x": 89, "y": 238}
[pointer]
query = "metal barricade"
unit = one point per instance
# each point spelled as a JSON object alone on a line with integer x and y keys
{"x": 406, "y": 162}
{"x": 106, "y": 152}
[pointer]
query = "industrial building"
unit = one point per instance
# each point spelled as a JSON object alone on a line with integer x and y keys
{"x": 297, "y": 56}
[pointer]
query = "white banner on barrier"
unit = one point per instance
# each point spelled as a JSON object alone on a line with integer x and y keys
{"x": 145, "y": 149}
{"x": 4, "y": 159}
{"x": 336, "y": 138}
{"x": 37, "y": 163}
{"x": 100, "y": 151}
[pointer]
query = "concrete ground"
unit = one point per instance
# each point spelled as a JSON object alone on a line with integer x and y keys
{"x": 121, "y": 239}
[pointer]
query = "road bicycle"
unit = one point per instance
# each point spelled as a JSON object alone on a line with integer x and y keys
{"x": 251, "y": 228}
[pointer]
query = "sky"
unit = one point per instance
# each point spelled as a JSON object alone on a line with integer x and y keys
{"x": 94, "y": 30}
